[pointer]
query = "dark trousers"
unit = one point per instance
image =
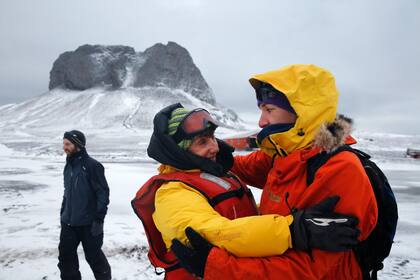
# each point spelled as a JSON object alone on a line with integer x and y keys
{"x": 68, "y": 262}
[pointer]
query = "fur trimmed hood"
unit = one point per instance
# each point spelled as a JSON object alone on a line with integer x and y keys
{"x": 332, "y": 136}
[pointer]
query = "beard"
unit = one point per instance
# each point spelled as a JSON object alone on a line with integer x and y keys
{"x": 70, "y": 151}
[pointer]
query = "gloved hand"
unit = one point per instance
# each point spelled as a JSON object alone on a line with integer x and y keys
{"x": 193, "y": 258}
{"x": 319, "y": 227}
{"x": 224, "y": 156}
{"x": 97, "y": 228}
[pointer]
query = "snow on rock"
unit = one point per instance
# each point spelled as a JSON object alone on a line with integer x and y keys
{"x": 171, "y": 65}
{"x": 120, "y": 67}
{"x": 89, "y": 66}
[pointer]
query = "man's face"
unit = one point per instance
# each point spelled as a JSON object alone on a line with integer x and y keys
{"x": 69, "y": 148}
{"x": 205, "y": 146}
{"x": 272, "y": 114}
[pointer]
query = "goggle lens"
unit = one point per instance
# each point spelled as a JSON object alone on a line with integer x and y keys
{"x": 196, "y": 121}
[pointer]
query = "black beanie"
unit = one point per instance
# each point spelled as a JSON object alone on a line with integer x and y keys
{"x": 76, "y": 137}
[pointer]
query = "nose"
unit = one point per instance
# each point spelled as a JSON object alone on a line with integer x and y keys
{"x": 263, "y": 122}
{"x": 214, "y": 147}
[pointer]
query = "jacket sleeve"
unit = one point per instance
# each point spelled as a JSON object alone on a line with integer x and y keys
{"x": 292, "y": 265}
{"x": 253, "y": 168}
{"x": 343, "y": 177}
{"x": 101, "y": 189}
{"x": 63, "y": 203}
{"x": 177, "y": 207}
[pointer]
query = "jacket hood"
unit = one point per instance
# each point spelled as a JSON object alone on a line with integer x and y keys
{"x": 332, "y": 136}
{"x": 163, "y": 149}
{"x": 312, "y": 93}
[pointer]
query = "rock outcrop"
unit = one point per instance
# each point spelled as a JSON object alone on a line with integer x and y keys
{"x": 91, "y": 66}
{"x": 117, "y": 67}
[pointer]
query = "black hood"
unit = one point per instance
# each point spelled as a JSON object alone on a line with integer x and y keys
{"x": 163, "y": 149}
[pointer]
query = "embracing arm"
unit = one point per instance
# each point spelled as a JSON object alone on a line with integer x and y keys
{"x": 253, "y": 168}
{"x": 178, "y": 207}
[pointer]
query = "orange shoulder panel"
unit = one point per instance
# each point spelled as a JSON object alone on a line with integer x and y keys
{"x": 253, "y": 168}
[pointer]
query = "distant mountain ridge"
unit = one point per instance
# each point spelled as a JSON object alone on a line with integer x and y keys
{"x": 111, "y": 90}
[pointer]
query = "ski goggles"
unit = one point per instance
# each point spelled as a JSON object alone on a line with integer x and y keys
{"x": 194, "y": 123}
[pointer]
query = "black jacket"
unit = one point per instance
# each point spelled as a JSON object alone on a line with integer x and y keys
{"x": 86, "y": 192}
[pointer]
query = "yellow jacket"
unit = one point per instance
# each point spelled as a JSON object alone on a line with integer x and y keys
{"x": 178, "y": 206}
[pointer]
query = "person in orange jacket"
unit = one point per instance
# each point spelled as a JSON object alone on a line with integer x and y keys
{"x": 194, "y": 188}
{"x": 298, "y": 120}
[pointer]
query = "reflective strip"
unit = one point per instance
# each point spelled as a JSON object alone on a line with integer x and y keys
{"x": 324, "y": 222}
{"x": 217, "y": 180}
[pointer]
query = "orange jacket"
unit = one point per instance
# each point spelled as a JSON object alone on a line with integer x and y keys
{"x": 342, "y": 175}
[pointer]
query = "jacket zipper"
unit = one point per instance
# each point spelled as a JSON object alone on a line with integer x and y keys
{"x": 70, "y": 194}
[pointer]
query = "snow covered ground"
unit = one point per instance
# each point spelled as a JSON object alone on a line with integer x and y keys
{"x": 31, "y": 189}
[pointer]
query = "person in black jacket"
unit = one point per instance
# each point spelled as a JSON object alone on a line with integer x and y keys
{"x": 83, "y": 210}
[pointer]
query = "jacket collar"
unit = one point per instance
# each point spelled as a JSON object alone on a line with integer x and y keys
{"x": 78, "y": 155}
{"x": 329, "y": 138}
{"x": 167, "y": 169}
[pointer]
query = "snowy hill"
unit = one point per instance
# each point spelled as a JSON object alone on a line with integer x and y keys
{"x": 97, "y": 108}
{"x": 116, "y": 121}
{"x": 112, "y": 94}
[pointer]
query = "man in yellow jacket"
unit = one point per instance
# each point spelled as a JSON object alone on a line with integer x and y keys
{"x": 195, "y": 189}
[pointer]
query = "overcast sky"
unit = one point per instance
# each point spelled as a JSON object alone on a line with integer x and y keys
{"x": 372, "y": 47}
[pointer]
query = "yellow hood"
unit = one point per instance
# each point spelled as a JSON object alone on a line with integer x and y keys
{"x": 313, "y": 95}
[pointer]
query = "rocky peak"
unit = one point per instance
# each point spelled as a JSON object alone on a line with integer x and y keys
{"x": 90, "y": 66}
{"x": 161, "y": 65}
